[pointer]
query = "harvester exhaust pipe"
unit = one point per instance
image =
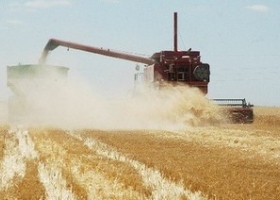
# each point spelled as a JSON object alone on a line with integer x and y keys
{"x": 175, "y": 32}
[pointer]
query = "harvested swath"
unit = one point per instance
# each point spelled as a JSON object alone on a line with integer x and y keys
{"x": 86, "y": 173}
{"x": 27, "y": 187}
{"x": 220, "y": 172}
{"x": 18, "y": 167}
{"x": 18, "y": 150}
{"x": 54, "y": 182}
{"x": 161, "y": 188}
{"x": 54, "y": 170}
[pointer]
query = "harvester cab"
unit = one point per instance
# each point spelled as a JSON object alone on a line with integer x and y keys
{"x": 178, "y": 68}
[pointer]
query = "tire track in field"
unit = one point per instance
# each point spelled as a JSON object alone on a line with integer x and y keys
{"x": 161, "y": 187}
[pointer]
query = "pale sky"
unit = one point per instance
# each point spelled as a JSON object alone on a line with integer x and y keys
{"x": 239, "y": 39}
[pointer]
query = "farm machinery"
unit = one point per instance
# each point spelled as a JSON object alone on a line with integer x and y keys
{"x": 168, "y": 67}
{"x": 27, "y": 80}
{"x": 236, "y": 110}
{"x": 173, "y": 67}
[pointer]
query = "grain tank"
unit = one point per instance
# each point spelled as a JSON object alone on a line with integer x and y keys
{"x": 30, "y": 80}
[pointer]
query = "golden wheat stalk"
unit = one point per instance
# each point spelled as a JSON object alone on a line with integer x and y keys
{"x": 51, "y": 177}
{"x": 18, "y": 149}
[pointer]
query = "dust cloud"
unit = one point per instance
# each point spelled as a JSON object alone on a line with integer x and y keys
{"x": 74, "y": 105}
{"x": 3, "y": 112}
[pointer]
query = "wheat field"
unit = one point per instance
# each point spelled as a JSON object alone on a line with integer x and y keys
{"x": 222, "y": 161}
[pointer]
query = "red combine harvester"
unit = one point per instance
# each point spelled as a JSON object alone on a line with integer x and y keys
{"x": 165, "y": 67}
{"x": 174, "y": 67}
